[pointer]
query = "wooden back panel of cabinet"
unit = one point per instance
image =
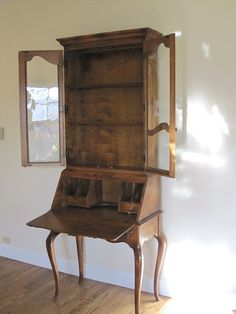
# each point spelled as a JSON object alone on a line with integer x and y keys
{"x": 106, "y": 95}
{"x": 105, "y": 111}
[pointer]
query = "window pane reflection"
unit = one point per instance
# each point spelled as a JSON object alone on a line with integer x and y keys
{"x": 42, "y": 112}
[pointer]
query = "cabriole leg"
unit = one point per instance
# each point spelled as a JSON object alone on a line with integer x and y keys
{"x": 159, "y": 262}
{"x": 80, "y": 252}
{"x": 51, "y": 254}
{"x": 138, "y": 259}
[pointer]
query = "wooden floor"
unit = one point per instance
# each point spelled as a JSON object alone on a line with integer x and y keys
{"x": 29, "y": 289}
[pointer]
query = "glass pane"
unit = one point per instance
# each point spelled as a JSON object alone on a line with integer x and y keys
{"x": 163, "y": 153}
{"x": 163, "y": 87}
{"x": 42, "y": 111}
{"x": 159, "y": 111}
{"x": 163, "y": 102}
{"x": 159, "y": 153}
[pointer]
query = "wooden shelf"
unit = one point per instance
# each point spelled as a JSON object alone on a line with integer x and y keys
{"x": 97, "y": 86}
{"x": 97, "y": 222}
{"x": 105, "y": 123}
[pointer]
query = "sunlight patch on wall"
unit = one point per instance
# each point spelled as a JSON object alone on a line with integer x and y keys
{"x": 208, "y": 128}
{"x": 200, "y": 278}
{"x": 202, "y": 158}
{"x": 206, "y": 50}
{"x": 182, "y": 191}
{"x": 178, "y": 33}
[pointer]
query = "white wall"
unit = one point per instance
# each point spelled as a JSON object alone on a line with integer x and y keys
{"x": 199, "y": 204}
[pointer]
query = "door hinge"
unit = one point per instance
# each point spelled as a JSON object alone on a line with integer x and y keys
{"x": 62, "y": 108}
{"x": 66, "y": 108}
{"x": 63, "y": 153}
{"x": 65, "y": 63}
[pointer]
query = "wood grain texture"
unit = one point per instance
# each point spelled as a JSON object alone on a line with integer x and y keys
{"x": 80, "y": 252}
{"x": 51, "y": 254}
{"x": 104, "y": 96}
{"x": 27, "y": 289}
{"x": 104, "y": 223}
{"x": 111, "y": 102}
{"x": 159, "y": 263}
{"x": 108, "y": 40}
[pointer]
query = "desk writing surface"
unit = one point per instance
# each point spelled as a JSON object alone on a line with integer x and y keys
{"x": 98, "y": 222}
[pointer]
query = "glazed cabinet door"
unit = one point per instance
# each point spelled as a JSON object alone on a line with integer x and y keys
{"x": 160, "y": 99}
{"x": 41, "y": 107}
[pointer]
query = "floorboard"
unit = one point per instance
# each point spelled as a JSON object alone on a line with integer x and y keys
{"x": 29, "y": 289}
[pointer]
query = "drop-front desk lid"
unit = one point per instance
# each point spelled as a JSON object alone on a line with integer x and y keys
{"x": 97, "y": 222}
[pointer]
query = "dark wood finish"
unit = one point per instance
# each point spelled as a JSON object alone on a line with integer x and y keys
{"x": 160, "y": 258}
{"x": 109, "y": 189}
{"x": 129, "y": 232}
{"x": 138, "y": 263}
{"x": 106, "y": 117}
{"x": 51, "y": 254}
{"x": 80, "y": 251}
{"x": 125, "y": 39}
{"x": 105, "y": 223}
{"x": 162, "y": 126}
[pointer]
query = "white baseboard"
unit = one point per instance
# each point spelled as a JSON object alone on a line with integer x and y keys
{"x": 98, "y": 273}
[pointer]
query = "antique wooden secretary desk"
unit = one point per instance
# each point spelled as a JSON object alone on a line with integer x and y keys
{"x": 110, "y": 188}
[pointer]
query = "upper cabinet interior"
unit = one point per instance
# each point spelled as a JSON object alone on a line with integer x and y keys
{"x": 118, "y": 104}
{"x": 111, "y": 100}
